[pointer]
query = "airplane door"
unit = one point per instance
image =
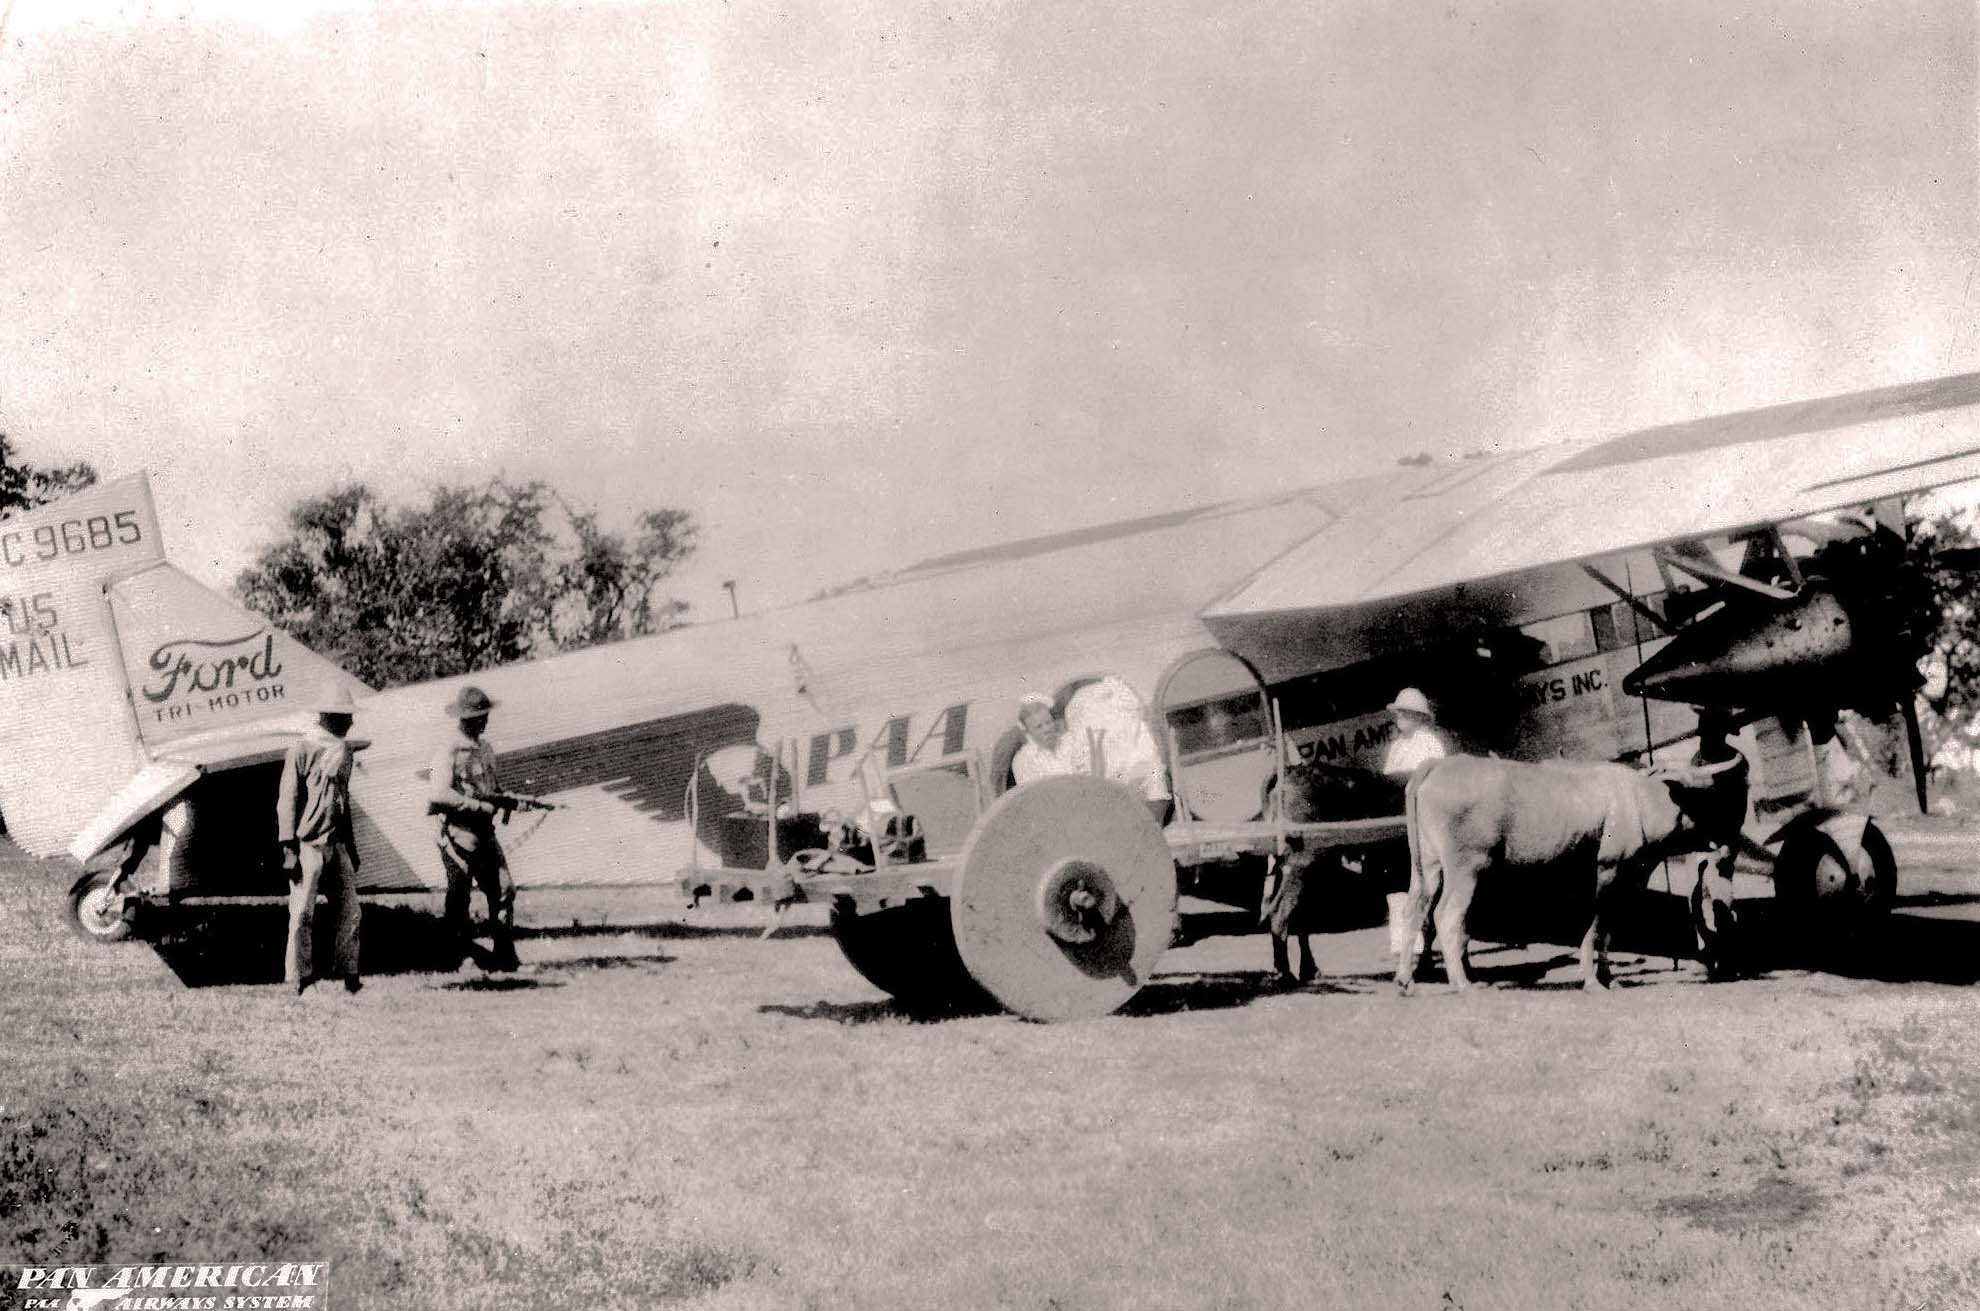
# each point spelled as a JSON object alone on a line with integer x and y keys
{"x": 1222, "y": 746}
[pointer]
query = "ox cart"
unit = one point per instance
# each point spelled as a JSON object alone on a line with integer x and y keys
{"x": 1057, "y": 900}
{"x": 1055, "y": 903}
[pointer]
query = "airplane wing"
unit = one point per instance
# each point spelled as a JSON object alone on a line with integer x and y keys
{"x": 1486, "y": 521}
{"x": 1490, "y": 518}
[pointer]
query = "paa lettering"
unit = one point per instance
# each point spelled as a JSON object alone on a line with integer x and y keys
{"x": 890, "y": 743}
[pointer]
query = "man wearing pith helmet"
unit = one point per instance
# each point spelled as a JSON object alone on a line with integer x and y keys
{"x": 467, "y": 796}
{"x": 319, "y": 850}
{"x": 1418, "y": 739}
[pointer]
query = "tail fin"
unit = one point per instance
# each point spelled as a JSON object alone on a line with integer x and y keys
{"x": 109, "y": 655}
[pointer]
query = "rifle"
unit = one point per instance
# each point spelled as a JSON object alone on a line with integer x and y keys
{"x": 510, "y": 803}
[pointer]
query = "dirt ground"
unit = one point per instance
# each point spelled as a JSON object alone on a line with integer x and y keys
{"x": 669, "y": 1110}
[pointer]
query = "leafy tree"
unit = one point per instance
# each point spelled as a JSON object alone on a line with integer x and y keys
{"x": 1946, "y": 548}
{"x": 23, "y": 486}
{"x": 478, "y": 576}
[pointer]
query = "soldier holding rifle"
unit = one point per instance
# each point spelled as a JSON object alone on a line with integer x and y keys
{"x": 467, "y": 796}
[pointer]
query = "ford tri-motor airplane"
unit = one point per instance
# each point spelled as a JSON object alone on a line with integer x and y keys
{"x": 1576, "y": 600}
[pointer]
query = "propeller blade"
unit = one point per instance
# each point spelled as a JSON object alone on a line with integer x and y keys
{"x": 1917, "y": 741}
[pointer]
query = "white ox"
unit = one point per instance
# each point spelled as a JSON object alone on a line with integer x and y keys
{"x": 1467, "y": 815}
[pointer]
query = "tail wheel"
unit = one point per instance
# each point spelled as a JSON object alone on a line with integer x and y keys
{"x": 97, "y": 911}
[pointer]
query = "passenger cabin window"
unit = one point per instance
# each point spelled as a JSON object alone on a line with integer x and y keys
{"x": 1603, "y": 628}
{"x": 1618, "y": 624}
{"x": 1218, "y": 725}
{"x": 1565, "y": 637}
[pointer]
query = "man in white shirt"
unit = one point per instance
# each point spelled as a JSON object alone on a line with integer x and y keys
{"x": 1103, "y": 725}
{"x": 1418, "y": 739}
{"x": 1049, "y": 748}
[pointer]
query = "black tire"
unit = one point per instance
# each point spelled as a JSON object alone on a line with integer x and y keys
{"x": 909, "y": 952}
{"x": 1832, "y": 895}
{"x": 97, "y": 914}
{"x": 1883, "y": 865}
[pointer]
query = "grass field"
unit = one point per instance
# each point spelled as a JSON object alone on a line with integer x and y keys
{"x": 684, "y": 1114}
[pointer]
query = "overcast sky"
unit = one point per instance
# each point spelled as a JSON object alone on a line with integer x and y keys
{"x": 863, "y": 282}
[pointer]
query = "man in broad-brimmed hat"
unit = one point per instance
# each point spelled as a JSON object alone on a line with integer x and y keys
{"x": 467, "y": 796}
{"x": 319, "y": 849}
{"x": 1418, "y": 739}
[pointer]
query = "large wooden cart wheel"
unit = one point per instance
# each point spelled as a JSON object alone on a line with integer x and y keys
{"x": 1064, "y": 899}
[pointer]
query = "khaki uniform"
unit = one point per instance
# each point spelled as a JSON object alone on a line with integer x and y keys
{"x": 313, "y": 810}
{"x": 463, "y": 777}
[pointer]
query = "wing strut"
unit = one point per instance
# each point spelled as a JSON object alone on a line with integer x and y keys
{"x": 1708, "y": 570}
{"x": 1628, "y": 596}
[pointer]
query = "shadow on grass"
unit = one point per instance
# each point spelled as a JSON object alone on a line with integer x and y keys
{"x": 216, "y": 946}
{"x": 666, "y": 930}
{"x": 499, "y": 983}
{"x": 1775, "y": 1202}
{"x": 1929, "y": 900}
{"x": 1170, "y": 995}
{"x": 220, "y": 946}
{"x": 1230, "y": 989}
{"x": 855, "y": 1012}
{"x": 576, "y": 963}
{"x": 1897, "y": 949}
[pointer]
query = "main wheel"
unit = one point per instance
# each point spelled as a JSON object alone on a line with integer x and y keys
{"x": 1835, "y": 878}
{"x": 1064, "y": 898}
{"x": 98, "y": 913}
{"x": 909, "y": 952}
{"x": 1843, "y": 865}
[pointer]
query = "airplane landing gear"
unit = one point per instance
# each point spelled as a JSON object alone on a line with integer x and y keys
{"x": 1835, "y": 876}
{"x": 98, "y": 911}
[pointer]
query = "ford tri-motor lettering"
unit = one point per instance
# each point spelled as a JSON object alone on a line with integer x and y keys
{"x": 188, "y": 666}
